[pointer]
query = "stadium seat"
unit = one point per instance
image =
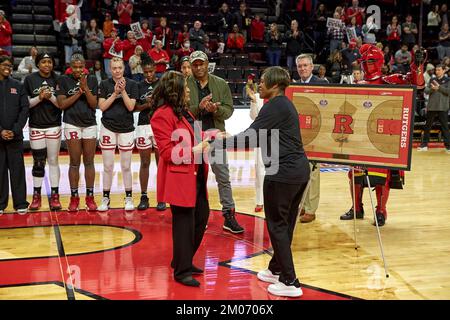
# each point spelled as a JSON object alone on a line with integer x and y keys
{"x": 220, "y": 72}
{"x": 241, "y": 60}
{"x": 234, "y": 73}
{"x": 226, "y": 60}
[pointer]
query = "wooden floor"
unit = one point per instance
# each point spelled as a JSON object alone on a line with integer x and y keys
{"x": 416, "y": 237}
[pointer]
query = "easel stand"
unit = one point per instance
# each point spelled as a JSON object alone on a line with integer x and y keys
{"x": 380, "y": 243}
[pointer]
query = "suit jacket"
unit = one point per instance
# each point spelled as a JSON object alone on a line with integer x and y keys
{"x": 177, "y": 171}
{"x": 315, "y": 79}
{"x": 439, "y": 99}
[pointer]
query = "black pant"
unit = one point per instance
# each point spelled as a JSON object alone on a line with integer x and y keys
{"x": 188, "y": 228}
{"x": 443, "y": 119}
{"x": 281, "y": 201}
{"x": 11, "y": 161}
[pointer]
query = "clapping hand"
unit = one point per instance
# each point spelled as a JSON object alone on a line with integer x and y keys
{"x": 45, "y": 93}
{"x": 212, "y": 106}
{"x": 223, "y": 135}
{"x": 202, "y": 146}
{"x": 205, "y": 101}
{"x": 83, "y": 83}
{"x": 435, "y": 85}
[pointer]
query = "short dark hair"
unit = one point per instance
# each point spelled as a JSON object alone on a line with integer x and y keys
{"x": 276, "y": 76}
{"x": 170, "y": 90}
{"x": 4, "y": 58}
{"x": 146, "y": 60}
{"x": 440, "y": 66}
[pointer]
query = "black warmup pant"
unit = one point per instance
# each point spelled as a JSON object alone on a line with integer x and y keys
{"x": 188, "y": 228}
{"x": 443, "y": 119}
{"x": 11, "y": 162}
{"x": 281, "y": 201}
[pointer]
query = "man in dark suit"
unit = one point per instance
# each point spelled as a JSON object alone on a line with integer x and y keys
{"x": 305, "y": 67}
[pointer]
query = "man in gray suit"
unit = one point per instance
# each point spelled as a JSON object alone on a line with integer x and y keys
{"x": 438, "y": 104}
{"x": 305, "y": 67}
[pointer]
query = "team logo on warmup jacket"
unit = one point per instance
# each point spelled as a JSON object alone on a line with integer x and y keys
{"x": 74, "y": 90}
{"x": 147, "y": 94}
{"x": 44, "y": 86}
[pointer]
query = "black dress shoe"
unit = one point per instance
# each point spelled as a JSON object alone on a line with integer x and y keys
{"x": 161, "y": 206}
{"x": 143, "y": 205}
{"x": 349, "y": 215}
{"x": 380, "y": 219}
{"x": 188, "y": 281}
{"x": 196, "y": 270}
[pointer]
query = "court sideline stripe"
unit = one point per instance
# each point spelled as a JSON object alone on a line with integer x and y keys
{"x": 62, "y": 255}
{"x": 69, "y": 291}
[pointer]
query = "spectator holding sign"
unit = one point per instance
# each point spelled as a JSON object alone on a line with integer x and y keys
{"x": 357, "y": 12}
{"x": 147, "y": 36}
{"x": 113, "y": 47}
{"x": 335, "y": 32}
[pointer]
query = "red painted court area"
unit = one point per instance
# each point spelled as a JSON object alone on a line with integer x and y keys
{"x": 129, "y": 257}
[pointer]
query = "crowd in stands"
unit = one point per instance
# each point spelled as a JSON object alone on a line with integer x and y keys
{"x": 101, "y": 29}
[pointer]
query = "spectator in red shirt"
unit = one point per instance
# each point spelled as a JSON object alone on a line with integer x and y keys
{"x": 5, "y": 33}
{"x": 124, "y": 12}
{"x": 236, "y": 40}
{"x": 257, "y": 29}
{"x": 146, "y": 41}
{"x": 129, "y": 46}
{"x": 164, "y": 34}
{"x": 355, "y": 11}
{"x": 183, "y": 35}
{"x": 184, "y": 51}
{"x": 161, "y": 58}
{"x": 115, "y": 42}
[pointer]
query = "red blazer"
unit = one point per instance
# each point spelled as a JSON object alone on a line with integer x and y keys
{"x": 177, "y": 172}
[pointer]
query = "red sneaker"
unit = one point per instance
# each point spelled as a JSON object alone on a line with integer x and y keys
{"x": 74, "y": 203}
{"x": 36, "y": 203}
{"x": 90, "y": 203}
{"x": 54, "y": 202}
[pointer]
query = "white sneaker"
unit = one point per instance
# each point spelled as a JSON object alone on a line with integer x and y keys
{"x": 104, "y": 206}
{"x": 1, "y": 212}
{"x": 422, "y": 149}
{"x": 22, "y": 211}
{"x": 267, "y": 276}
{"x": 282, "y": 290}
{"x": 129, "y": 206}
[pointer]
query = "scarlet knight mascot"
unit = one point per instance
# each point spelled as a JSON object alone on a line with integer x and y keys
{"x": 383, "y": 180}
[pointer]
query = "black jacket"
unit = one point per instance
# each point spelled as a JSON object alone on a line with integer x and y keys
{"x": 14, "y": 107}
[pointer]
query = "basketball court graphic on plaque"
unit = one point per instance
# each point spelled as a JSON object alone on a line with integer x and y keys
{"x": 363, "y": 124}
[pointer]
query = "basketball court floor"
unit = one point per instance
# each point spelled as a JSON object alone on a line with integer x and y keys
{"x": 126, "y": 255}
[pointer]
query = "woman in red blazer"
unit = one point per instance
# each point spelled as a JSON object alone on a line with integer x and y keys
{"x": 182, "y": 175}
